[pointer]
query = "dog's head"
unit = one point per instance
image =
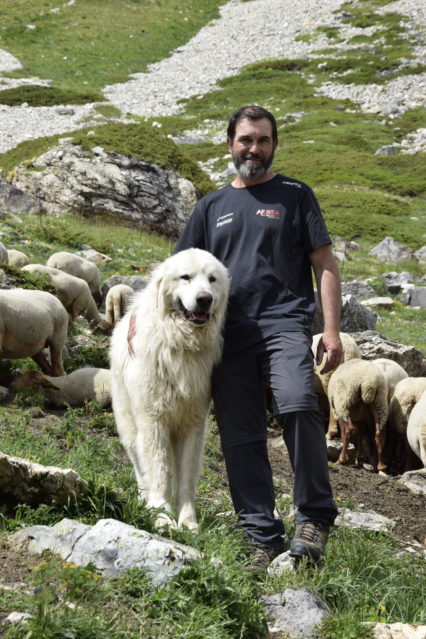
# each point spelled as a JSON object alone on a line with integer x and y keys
{"x": 194, "y": 286}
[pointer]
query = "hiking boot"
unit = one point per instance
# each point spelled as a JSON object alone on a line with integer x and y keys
{"x": 262, "y": 555}
{"x": 309, "y": 540}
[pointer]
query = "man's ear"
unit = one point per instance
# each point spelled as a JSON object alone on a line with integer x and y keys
{"x": 229, "y": 143}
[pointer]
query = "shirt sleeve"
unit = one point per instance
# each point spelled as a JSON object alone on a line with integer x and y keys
{"x": 315, "y": 233}
{"x": 193, "y": 235}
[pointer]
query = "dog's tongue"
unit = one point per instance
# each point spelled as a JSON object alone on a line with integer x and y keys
{"x": 200, "y": 317}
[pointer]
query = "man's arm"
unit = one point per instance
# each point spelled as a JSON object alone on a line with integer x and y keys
{"x": 328, "y": 284}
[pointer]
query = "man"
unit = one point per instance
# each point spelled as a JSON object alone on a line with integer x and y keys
{"x": 268, "y": 230}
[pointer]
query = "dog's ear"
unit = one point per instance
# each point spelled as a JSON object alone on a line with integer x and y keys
{"x": 158, "y": 284}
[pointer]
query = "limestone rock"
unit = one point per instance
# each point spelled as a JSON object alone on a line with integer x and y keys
{"x": 14, "y": 200}
{"x": 397, "y": 630}
{"x": 294, "y": 613}
{"x": 354, "y": 317}
{"x": 388, "y": 250}
{"x": 368, "y": 520}
{"x": 415, "y": 480}
{"x": 397, "y": 282}
{"x": 111, "y": 546}
{"x": 69, "y": 179}
{"x": 373, "y": 345}
{"x": 26, "y": 482}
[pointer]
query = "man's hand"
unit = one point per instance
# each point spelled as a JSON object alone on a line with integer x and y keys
{"x": 330, "y": 345}
{"x": 130, "y": 335}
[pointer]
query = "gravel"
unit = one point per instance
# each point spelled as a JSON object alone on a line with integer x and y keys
{"x": 244, "y": 33}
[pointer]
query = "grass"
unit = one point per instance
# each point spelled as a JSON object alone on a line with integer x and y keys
{"x": 364, "y": 197}
{"x": 82, "y": 36}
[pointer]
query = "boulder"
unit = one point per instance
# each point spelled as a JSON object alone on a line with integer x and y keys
{"x": 359, "y": 287}
{"x": 14, "y": 200}
{"x": 397, "y": 282}
{"x": 388, "y": 250}
{"x": 23, "y": 481}
{"x": 373, "y": 345}
{"x": 417, "y": 296}
{"x": 68, "y": 179}
{"x": 110, "y": 545}
{"x": 420, "y": 255}
{"x": 294, "y": 613}
{"x": 354, "y": 317}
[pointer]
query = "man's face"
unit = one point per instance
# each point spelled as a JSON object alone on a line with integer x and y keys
{"x": 253, "y": 148}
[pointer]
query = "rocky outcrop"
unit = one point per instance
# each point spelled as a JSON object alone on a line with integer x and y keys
{"x": 69, "y": 179}
{"x": 388, "y": 250}
{"x": 110, "y": 545}
{"x": 14, "y": 201}
{"x": 373, "y": 345}
{"x": 23, "y": 481}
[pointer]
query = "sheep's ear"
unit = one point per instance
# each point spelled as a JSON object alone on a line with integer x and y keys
{"x": 45, "y": 383}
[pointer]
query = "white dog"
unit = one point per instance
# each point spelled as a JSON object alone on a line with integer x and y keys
{"x": 161, "y": 379}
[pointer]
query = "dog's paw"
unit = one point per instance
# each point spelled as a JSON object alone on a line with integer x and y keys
{"x": 164, "y": 521}
{"x": 190, "y": 524}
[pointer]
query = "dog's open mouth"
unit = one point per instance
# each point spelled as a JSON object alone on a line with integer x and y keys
{"x": 195, "y": 317}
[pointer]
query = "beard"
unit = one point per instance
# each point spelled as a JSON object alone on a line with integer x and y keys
{"x": 251, "y": 170}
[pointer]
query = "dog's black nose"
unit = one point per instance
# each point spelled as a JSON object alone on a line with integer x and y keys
{"x": 204, "y": 301}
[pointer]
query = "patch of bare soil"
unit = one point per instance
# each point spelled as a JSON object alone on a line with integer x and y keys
{"x": 366, "y": 490}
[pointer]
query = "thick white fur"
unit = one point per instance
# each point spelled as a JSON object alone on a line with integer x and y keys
{"x": 161, "y": 393}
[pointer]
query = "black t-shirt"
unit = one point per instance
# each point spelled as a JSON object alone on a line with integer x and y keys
{"x": 264, "y": 235}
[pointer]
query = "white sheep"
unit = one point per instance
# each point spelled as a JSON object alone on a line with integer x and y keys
{"x": 80, "y": 386}
{"x": 29, "y": 322}
{"x": 392, "y": 371}
{"x": 350, "y": 351}
{"x": 406, "y": 394}
{"x": 116, "y": 302}
{"x": 73, "y": 292}
{"x": 79, "y": 267}
{"x": 17, "y": 258}
{"x": 358, "y": 396}
{"x": 3, "y": 254}
{"x": 416, "y": 429}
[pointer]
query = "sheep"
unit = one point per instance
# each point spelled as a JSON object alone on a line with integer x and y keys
{"x": 350, "y": 351}
{"x": 79, "y": 267}
{"x": 30, "y": 321}
{"x": 116, "y": 302}
{"x": 416, "y": 428}
{"x": 3, "y": 254}
{"x": 17, "y": 258}
{"x": 73, "y": 292}
{"x": 358, "y": 394}
{"x": 392, "y": 371}
{"x": 406, "y": 393}
{"x": 83, "y": 384}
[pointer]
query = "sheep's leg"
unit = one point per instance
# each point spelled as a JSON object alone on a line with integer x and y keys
{"x": 188, "y": 458}
{"x": 379, "y": 463}
{"x": 332, "y": 431}
{"x": 56, "y": 361}
{"x": 345, "y": 435}
{"x": 41, "y": 360}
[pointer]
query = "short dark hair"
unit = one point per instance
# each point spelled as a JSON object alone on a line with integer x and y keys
{"x": 251, "y": 112}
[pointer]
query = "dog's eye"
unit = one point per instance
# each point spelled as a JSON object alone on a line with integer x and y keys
{"x": 185, "y": 277}
{"x": 212, "y": 279}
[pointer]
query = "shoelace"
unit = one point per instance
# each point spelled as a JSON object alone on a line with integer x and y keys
{"x": 309, "y": 532}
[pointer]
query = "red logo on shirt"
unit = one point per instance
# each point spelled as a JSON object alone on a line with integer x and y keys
{"x": 272, "y": 214}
